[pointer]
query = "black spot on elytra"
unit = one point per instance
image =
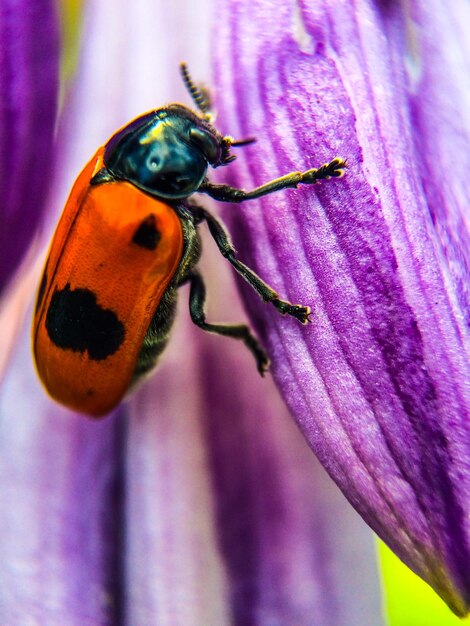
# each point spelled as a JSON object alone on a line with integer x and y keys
{"x": 75, "y": 321}
{"x": 42, "y": 291}
{"x": 147, "y": 235}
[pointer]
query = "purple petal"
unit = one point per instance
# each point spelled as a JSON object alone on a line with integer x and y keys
{"x": 443, "y": 133}
{"x": 175, "y": 574}
{"x": 59, "y": 489}
{"x": 29, "y": 66}
{"x": 291, "y": 542}
{"x": 379, "y": 381}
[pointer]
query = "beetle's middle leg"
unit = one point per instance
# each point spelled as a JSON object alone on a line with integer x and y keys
{"x": 267, "y": 293}
{"x": 197, "y": 297}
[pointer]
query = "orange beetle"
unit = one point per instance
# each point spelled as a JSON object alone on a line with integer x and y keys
{"x": 127, "y": 239}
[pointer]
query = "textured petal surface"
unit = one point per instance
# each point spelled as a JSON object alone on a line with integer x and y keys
{"x": 29, "y": 67}
{"x": 379, "y": 382}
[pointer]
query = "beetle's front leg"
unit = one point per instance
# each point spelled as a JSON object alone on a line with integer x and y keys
{"x": 225, "y": 193}
{"x": 266, "y": 292}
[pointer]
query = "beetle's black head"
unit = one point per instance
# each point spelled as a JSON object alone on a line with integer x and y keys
{"x": 166, "y": 152}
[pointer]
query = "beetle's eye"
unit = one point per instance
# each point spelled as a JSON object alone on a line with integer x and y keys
{"x": 206, "y": 143}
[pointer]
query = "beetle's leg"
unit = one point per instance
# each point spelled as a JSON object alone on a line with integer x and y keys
{"x": 222, "y": 239}
{"x": 197, "y": 298}
{"x": 225, "y": 193}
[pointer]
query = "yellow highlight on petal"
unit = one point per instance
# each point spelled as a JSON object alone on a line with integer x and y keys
{"x": 409, "y": 601}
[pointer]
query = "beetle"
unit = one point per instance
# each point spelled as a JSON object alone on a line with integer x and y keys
{"x": 127, "y": 240}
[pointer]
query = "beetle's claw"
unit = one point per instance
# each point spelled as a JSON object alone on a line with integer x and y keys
{"x": 336, "y": 167}
{"x": 263, "y": 363}
{"x": 300, "y": 312}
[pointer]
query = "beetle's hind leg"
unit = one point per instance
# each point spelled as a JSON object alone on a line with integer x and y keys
{"x": 267, "y": 293}
{"x": 197, "y": 299}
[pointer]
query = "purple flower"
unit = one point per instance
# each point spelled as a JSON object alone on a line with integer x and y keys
{"x": 198, "y": 502}
{"x": 379, "y": 382}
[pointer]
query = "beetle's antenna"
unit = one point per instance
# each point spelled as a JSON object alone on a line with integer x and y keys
{"x": 200, "y": 98}
{"x": 243, "y": 142}
{"x": 228, "y": 142}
